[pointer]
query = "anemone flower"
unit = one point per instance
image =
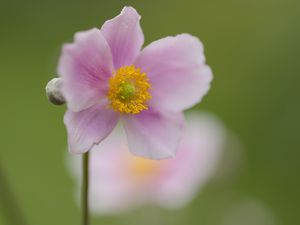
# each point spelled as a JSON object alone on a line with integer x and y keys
{"x": 107, "y": 77}
{"x": 134, "y": 181}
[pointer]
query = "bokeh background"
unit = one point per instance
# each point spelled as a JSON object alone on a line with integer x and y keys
{"x": 253, "y": 47}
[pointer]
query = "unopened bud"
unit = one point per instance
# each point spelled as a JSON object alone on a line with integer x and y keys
{"x": 53, "y": 91}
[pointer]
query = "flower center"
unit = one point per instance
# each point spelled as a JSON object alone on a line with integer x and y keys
{"x": 142, "y": 170}
{"x": 129, "y": 90}
{"x": 141, "y": 167}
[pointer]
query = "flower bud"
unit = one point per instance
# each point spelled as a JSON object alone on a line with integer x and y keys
{"x": 53, "y": 91}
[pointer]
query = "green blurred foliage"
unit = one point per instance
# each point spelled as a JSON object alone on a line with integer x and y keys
{"x": 253, "y": 48}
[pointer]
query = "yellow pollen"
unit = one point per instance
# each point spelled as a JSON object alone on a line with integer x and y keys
{"x": 129, "y": 90}
{"x": 143, "y": 168}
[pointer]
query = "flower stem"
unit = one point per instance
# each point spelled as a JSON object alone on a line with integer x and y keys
{"x": 85, "y": 189}
{"x": 9, "y": 204}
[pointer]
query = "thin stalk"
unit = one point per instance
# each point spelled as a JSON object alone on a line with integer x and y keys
{"x": 9, "y": 203}
{"x": 85, "y": 189}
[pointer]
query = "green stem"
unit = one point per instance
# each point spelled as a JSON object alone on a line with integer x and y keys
{"x": 8, "y": 202}
{"x": 85, "y": 189}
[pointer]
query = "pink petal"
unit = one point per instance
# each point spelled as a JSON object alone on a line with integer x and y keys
{"x": 84, "y": 67}
{"x": 178, "y": 74}
{"x": 154, "y": 135}
{"x": 196, "y": 161}
{"x": 124, "y": 36}
{"x": 170, "y": 183}
{"x": 89, "y": 127}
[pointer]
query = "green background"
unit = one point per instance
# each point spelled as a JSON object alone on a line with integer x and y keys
{"x": 253, "y": 48}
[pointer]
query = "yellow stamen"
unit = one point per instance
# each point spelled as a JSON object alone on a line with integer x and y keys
{"x": 143, "y": 168}
{"x": 129, "y": 90}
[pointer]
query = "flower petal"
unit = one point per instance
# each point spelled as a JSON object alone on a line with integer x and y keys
{"x": 124, "y": 36}
{"x": 84, "y": 67}
{"x": 196, "y": 161}
{"x": 178, "y": 74}
{"x": 89, "y": 127}
{"x": 154, "y": 135}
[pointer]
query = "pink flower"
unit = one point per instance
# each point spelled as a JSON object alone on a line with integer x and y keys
{"x": 134, "y": 181}
{"x": 106, "y": 77}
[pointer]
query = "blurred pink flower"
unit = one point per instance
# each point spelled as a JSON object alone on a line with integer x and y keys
{"x": 106, "y": 76}
{"x": 119, "y": 180}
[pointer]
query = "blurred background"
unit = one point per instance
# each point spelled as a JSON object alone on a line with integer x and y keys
{"x": 253, "y": 48}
